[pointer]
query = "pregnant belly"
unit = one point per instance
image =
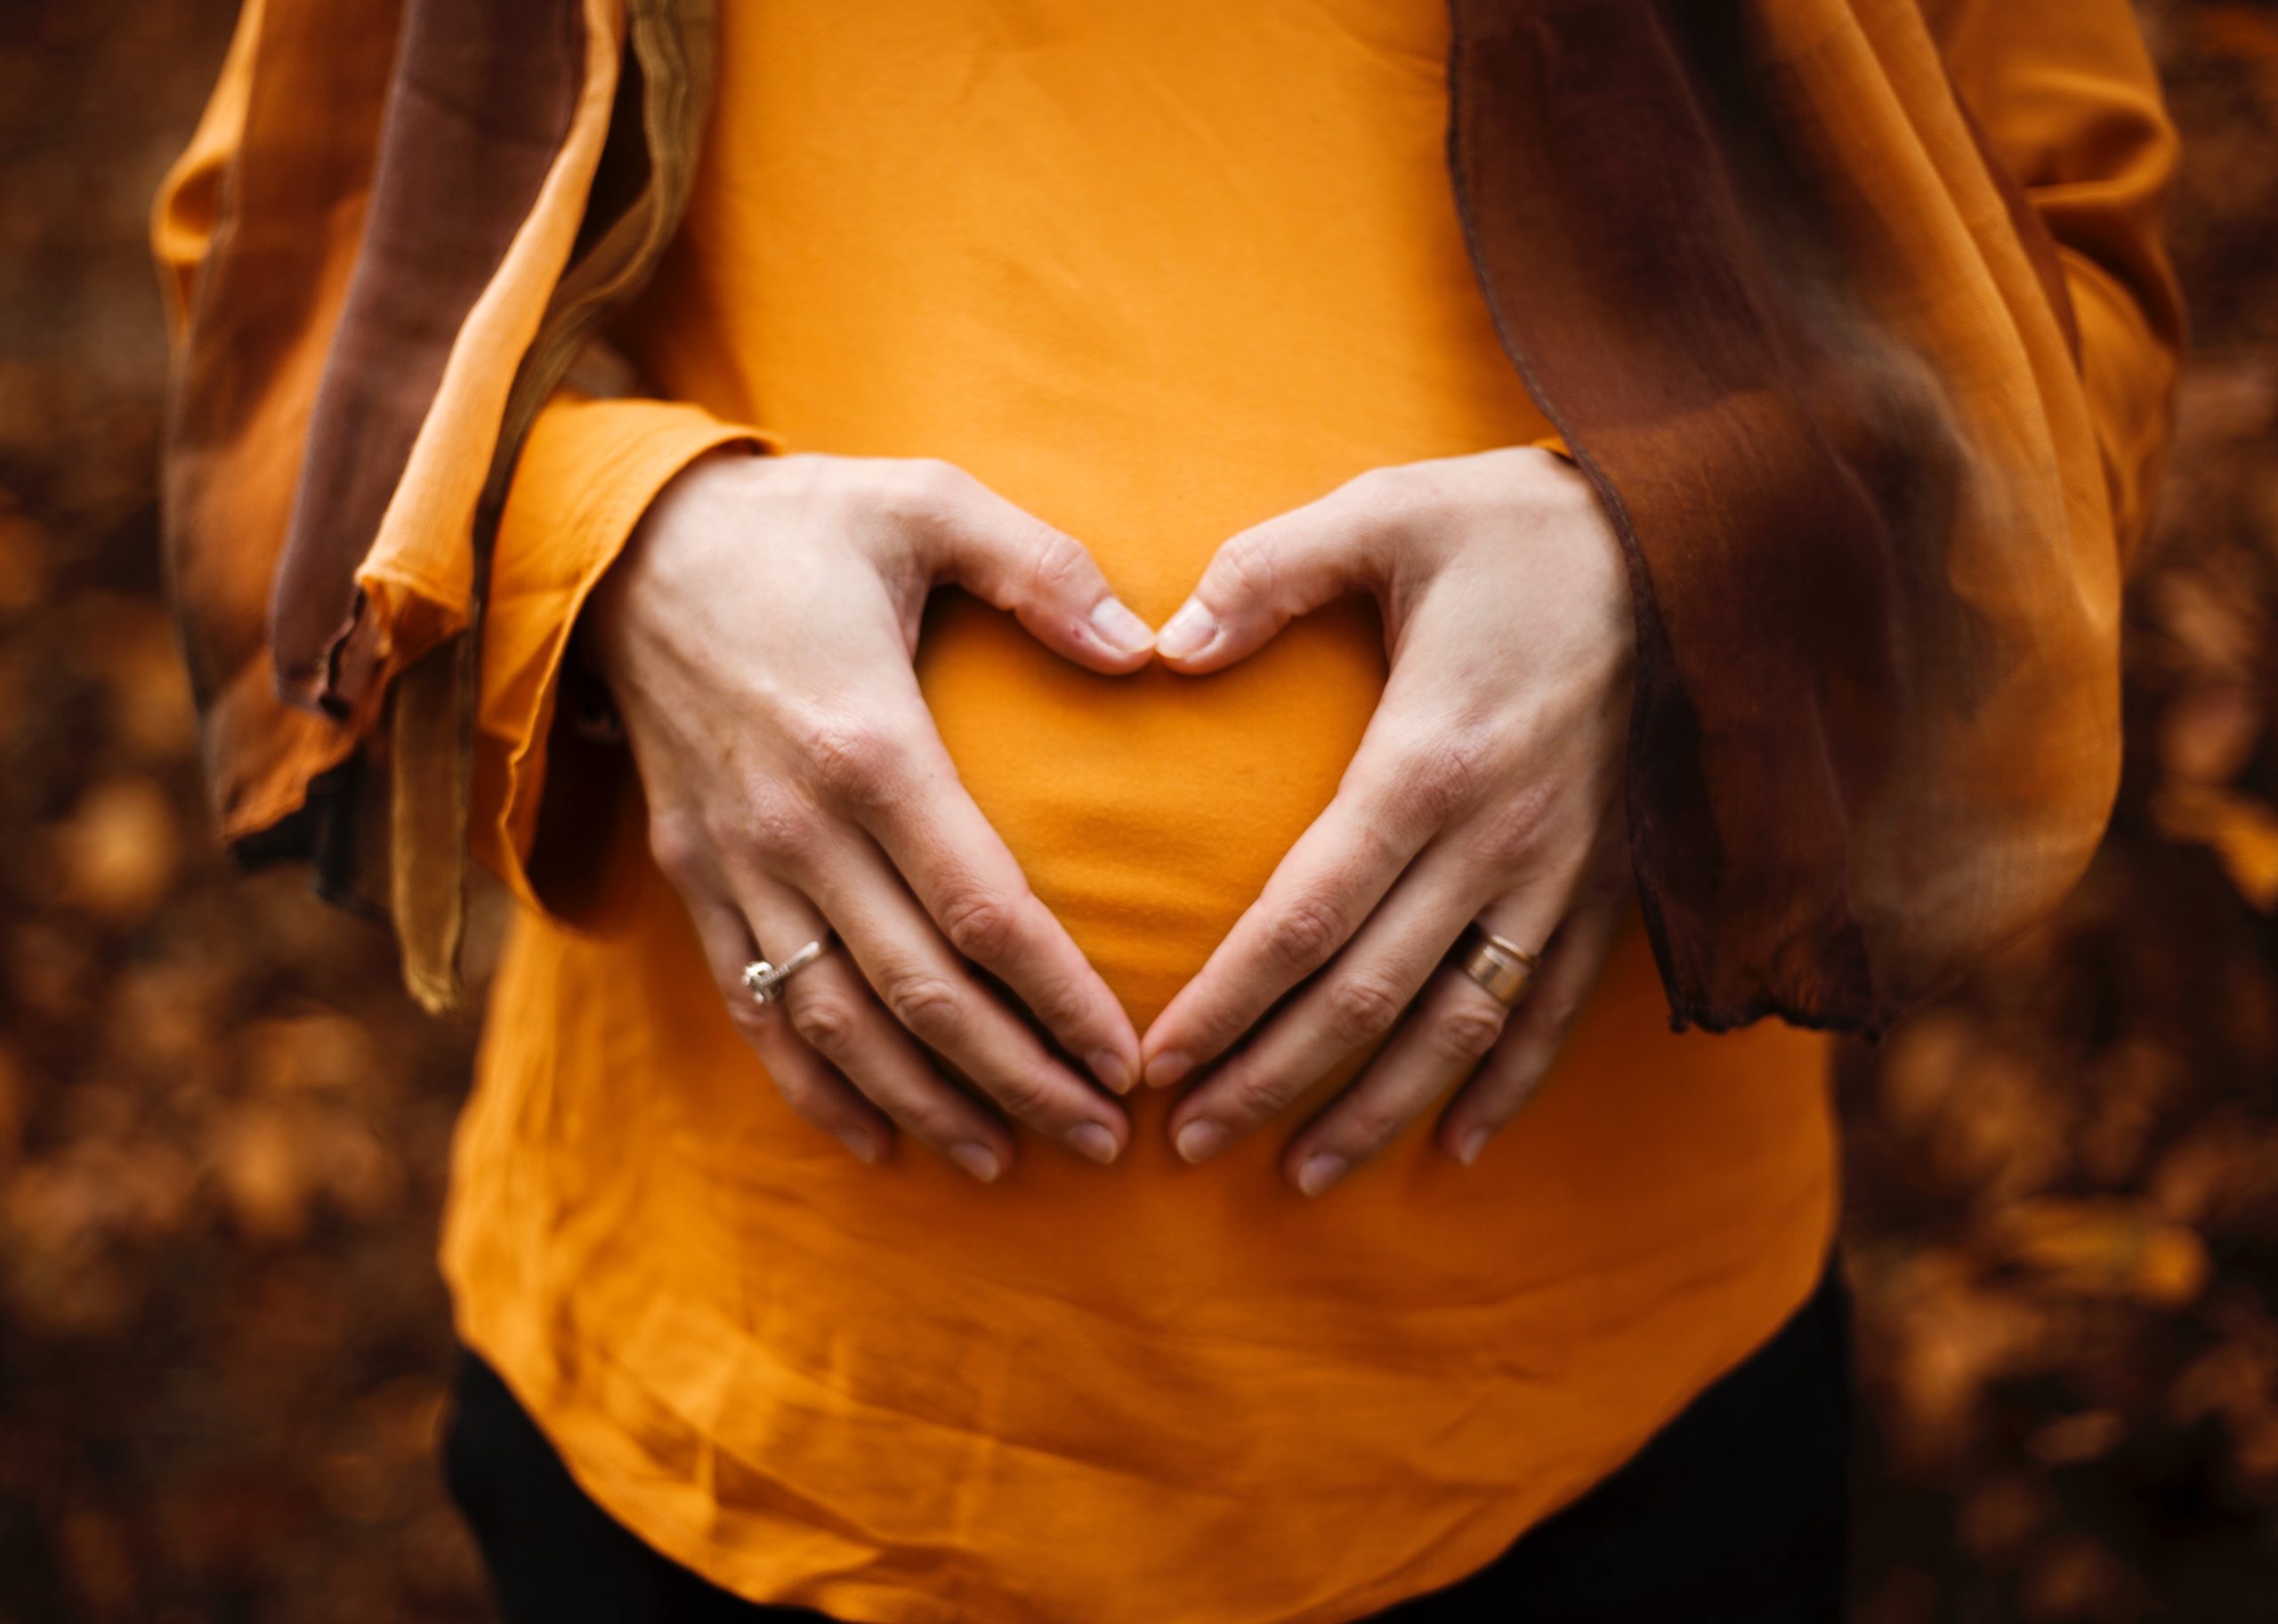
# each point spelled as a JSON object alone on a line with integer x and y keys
{"x": 1148, "y": 811}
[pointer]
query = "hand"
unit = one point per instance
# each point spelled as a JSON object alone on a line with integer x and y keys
{"x": 1485, "y": 788}
{"x": 758, "y": 636}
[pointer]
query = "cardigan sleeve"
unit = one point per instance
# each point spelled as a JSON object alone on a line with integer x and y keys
{"x": 336, "y": 410}
{"x": 398, "y": 225}
{"x": 2069, "y": 100}
{"x": 1856, "y": 316}
{"x": 587, "y": 473}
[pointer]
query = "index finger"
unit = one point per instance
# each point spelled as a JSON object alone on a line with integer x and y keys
{"x": 968, "y": 880}
{"x": 1330, "y": 882}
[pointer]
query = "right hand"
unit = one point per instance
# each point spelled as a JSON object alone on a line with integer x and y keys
{"x": 757, "y": 635}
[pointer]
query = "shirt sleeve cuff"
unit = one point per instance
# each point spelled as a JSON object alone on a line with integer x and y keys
{"x": 586, "y": 475}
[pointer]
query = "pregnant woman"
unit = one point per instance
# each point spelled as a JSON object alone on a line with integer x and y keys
{"x": 1079, "y": 755}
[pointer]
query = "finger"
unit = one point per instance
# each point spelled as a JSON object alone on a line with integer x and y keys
{"x": 938, "y": 1000}
{"x": 1570, "y": 969}
{"x": 1365, "y": 994}
{"x": 1388, "y": 806}
{"x": 1354, "y": 1003}
{"x": 965, "y": 877}
{"x": 828, "y": 1005}
{"x": 1452, "y": 1029}
{"x": 1007, "y": 556}
{"x": 809, "y": 1084}
{"x": 1264, "y": 576}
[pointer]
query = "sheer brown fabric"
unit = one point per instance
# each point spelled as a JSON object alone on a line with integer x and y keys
{"x": 478, "y": 109}
{"x": 1816, "y": 354}
{"x": 329, "y": 517}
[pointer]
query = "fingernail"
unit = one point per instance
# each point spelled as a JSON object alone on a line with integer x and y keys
{"x": 976, "y": 1158}
{"x": 1166, "y": 1068}
{"x": 1120, "y": 629}
{"x": 1113, "y": 1073}
{"x": 1199, "y": 1138}
{"x": 865, "y": 1148}
{"x": 1467, "y": 1150}
{"x": 1090, "y": 1139}
{"x": 1321, "y": 1171}
{"x": 1188, "y": 631}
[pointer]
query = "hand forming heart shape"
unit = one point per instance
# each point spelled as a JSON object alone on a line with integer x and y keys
{"x": 1485, "y": 789}
{"x": 796, "y": 786}
{"x": 821, "y": 798}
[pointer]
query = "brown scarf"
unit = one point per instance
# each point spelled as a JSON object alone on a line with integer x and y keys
{"x": 1876, "y": 724}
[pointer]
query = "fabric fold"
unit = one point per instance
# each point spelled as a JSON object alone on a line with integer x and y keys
{"x": 587, "y": 472}
{"x": 399, "y": 223}
{"x": 1756, "y": 266}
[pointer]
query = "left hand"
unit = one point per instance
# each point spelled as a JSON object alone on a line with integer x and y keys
{"x": 1486, "y": 788}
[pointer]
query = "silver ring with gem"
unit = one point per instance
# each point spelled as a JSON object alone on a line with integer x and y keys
{"x": 764, "y": 982}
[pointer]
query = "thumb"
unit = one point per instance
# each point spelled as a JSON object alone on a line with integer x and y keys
{"x": 1262, "y": 578}
{"x": 1007, "y": 556}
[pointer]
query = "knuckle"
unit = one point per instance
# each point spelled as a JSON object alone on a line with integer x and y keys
{"x": 927, "y": 1122}
{"x": 1250, "y": 566}
{"x": 852, "y": 759}
{"x": 826, "y": 1022}
{"x": 1382, "y": 499}
{"x": 1058, "y": 1004}
{"x": 927, "y": 1005}
{"x": 1368, "y": 1127}
{"x": 1445, "y": 776}
{"x": 1466, "y": 1033}
{"x": 1500, "y": 1106}
{"x": 800, "y": 1093}
{"x": 752, "y": 1019}
{"x": 1554, "y": 1010}
{"x": 1515, "y": 829}
{"x": 778, "y": 822}
{"x": 1303, "y": 936}
{"x": 1377, "y": 849}
{"x": 1380, "y": 490}
{"x": 931, "y": 487}
{"x": 1055, "y": 567}
{"x": 1022, "y": 1093}
{"x": 676, "y": 846}
{"x": 1260, "y": 1095}
{"x": 1361, "y": 1006}
{"x": 983, "y": 926}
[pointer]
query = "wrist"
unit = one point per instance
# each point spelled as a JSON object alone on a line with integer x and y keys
{"x": 1594, "y": 553}
{"x": 629, "y": 597}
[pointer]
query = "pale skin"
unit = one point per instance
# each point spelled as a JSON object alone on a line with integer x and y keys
{"x": 794, "y": 778}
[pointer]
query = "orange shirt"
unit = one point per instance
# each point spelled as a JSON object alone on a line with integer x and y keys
{"x": 1154, "y": 272}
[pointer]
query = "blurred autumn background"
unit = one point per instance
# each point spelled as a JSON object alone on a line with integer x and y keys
{"x": 223, "y": 1342}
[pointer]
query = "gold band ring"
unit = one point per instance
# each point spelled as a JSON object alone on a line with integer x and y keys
{"x": 1500, "y": 966}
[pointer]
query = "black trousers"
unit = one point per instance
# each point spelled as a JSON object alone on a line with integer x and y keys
{"x": 1736, "y": 1512}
